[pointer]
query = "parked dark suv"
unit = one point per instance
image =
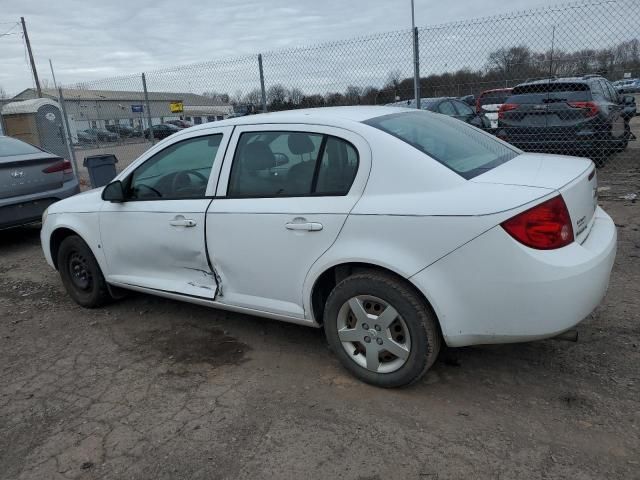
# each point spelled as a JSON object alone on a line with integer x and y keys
{"x": 572, "y": 116}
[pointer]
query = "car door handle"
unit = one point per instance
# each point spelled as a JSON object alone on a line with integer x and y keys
{"x": 308, "y": 226}
{"x": 182, "y": 222}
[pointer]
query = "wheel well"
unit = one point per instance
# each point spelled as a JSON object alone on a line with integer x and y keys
{"x": 56, "y": 240}
{"x": 334, "y": 275}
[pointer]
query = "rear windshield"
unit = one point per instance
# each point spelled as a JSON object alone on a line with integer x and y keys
{"x": 550, "y": 93}
{"x": 11, "y": 146}
{"x": 465, "y": 150}
{"x": 493, "y": 98}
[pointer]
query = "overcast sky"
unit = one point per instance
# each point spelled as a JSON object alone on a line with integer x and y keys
{"x": 92, "y": 40}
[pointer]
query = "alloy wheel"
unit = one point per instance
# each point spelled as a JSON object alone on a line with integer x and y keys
{"x": 373, "y": 334}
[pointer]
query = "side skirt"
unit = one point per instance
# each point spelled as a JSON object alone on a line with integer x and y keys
{"x": 207, "y": 302}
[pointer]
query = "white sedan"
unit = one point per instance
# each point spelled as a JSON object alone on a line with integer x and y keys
{"x": 395, "y": 229}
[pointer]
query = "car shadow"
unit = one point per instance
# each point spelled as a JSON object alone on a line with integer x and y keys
{"x": 20, "y": 236}
{"x": 187, "y": 333}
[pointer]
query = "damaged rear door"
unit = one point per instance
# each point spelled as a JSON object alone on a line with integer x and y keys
{"x": 156, "y": 238}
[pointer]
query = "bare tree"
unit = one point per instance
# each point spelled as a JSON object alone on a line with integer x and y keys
{"x": 3, "y": 93}
{"x": 237, "y": 97}
{"x": 353, "y": 94}
{"x": 219, "y": 97}
{"x": 296, "y": 95}
{"x": 370, "y": 95}
{"x": 512, "y": 62}
{"x": 254, "y": 97}
{"x": 277, "y": 94}
{"x": 393, "y": 79}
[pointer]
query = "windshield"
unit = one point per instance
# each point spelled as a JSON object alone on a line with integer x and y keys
{"x": 466, "y": 150}
{"x": 11, "y": 146}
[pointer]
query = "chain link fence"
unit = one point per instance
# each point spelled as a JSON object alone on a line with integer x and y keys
{"x": 556, "y": 80}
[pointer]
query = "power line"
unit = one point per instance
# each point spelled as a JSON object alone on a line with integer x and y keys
{"x": 8, "y": 32}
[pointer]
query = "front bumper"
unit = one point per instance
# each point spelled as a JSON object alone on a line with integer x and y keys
{"x": 29, "y": 208}
{"x": 495, "y": 290}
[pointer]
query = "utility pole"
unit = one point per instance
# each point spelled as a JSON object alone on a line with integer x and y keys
{"x": 53, "y": 75}
{"x": 33, "y": 64}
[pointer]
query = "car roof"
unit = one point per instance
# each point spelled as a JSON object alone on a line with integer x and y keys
{"x": 544, "y": 81}
{"x": 493, "y": 90}
{"x": 320, "y": 115}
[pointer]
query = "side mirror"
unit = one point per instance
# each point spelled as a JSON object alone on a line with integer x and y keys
{"x": 628, "y": 99}
{"x": 113, "y": 192}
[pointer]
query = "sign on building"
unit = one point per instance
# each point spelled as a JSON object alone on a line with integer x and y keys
{"x": 176, "y": 107}
{"x": 137, "y": 108}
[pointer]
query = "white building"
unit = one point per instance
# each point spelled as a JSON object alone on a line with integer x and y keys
{"x": 98, "y": 108}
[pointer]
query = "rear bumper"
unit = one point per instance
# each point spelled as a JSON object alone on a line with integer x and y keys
{"x": 29, "y": 208}
{"x": 579, "y": 139}
{"x": 495, "y": 290}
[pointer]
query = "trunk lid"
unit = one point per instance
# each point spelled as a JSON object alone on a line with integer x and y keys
{"x": 24, "y": 174}
{"x": 575, "y": 178}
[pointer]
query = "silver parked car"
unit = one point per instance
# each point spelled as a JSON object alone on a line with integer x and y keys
{"x": 31, "y": 179}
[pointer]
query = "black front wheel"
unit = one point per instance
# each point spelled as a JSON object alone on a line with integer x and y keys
{"x": 81, "y": 274}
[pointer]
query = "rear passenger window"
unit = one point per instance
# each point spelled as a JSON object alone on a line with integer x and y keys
{"x": 596, "y": 90}
{"x": 462, "y": 108}
{"x": 447, "y": 109}
{"x": 612, "y": 92}
{"x": 281, "y": 164}
{"x": 337, "y": 169}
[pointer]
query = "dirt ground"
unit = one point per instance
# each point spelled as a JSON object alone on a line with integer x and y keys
{"x": 148, "y": 388}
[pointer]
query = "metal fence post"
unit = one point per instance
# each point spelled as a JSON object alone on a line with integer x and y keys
{"x": 3, "y": 128}
{"x": 67, "y": 129}
{"x": 262, "y": 90}
{"x": 148, "y": 107}
{"x": 416, "y": 68}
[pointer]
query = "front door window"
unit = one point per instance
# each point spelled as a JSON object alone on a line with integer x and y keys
{"x": 177, "y": 172}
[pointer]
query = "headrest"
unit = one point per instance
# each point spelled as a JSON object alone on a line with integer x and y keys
{"x": 300, "y": 143}
{"x": 258, "y": 156}
{"x": 332, "y": 148}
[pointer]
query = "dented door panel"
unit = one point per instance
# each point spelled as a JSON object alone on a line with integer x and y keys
{"x": 159, "y": 245}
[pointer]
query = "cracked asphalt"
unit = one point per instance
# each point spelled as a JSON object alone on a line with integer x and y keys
{"x": 148, "y": 388}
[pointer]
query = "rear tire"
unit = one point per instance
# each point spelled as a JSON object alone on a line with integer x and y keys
{"x": 381, "y": 329}
{"x": 624, "y": 143}
{"x": 81, "y": 274}
{"x": 599, "y": 159}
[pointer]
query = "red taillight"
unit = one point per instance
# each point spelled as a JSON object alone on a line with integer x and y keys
{"x": 592, "y": 108}
{"x": 544, "y": 227}
{"x": 505, "y": 107}
{"x": 478, "y": 106}
{"x": 63, "y": 166}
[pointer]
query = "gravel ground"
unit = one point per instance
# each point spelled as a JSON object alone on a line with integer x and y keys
{"x": 148, "y": 388}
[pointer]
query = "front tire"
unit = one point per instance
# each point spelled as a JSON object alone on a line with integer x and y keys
{"x": 81, "y": 274}
{"x": 381, "y": 329}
